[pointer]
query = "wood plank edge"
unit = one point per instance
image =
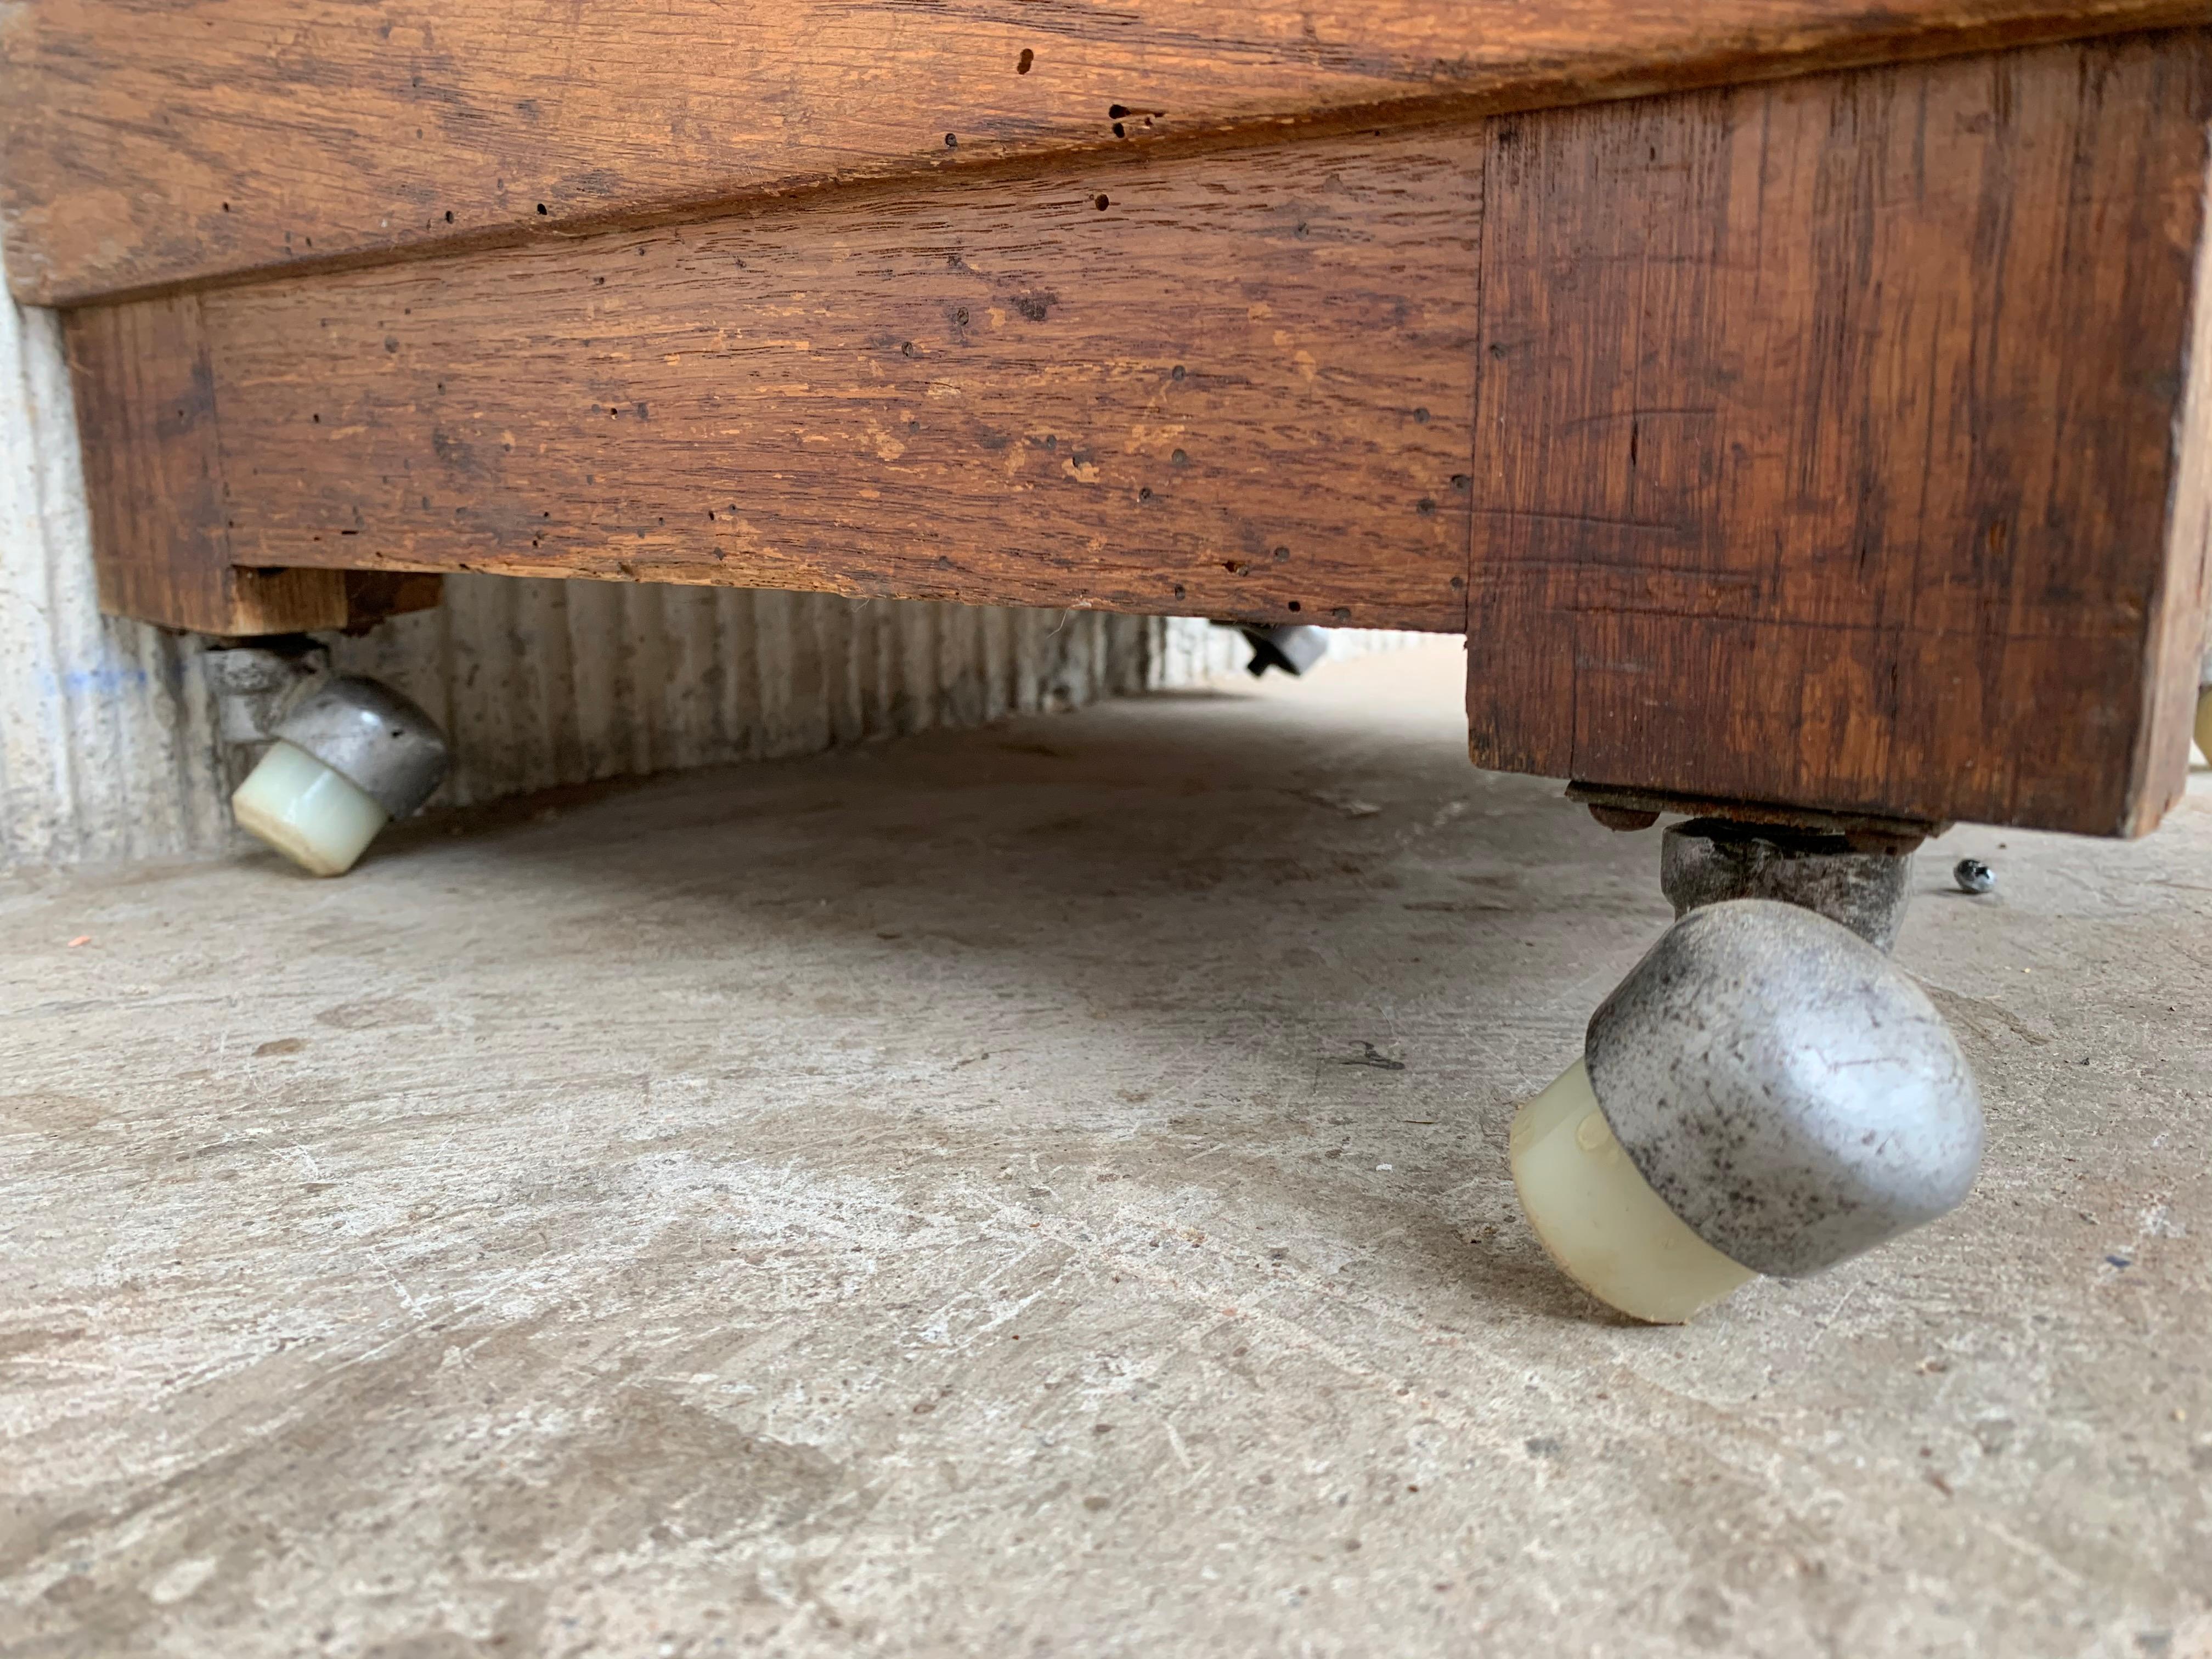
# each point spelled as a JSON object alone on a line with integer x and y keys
{"x": 1841, "y": 47}
{"x": 2175, "y": 620}
{"x": 744, "y": 574}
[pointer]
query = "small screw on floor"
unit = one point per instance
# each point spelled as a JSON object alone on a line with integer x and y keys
{"x": 1973, "y": 876}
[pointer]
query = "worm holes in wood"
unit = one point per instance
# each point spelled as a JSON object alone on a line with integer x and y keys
{"x": 1100, "y": 202}
{"x": 1024, "y": 63}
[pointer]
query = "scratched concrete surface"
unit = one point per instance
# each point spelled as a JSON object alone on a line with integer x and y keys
{"x": 936, "y": 1198}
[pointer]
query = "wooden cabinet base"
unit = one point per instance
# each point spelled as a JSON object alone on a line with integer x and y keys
{"x": 1834, "y": 442}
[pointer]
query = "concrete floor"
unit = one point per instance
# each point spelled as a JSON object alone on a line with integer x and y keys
{"x": 1043, "y": 1191}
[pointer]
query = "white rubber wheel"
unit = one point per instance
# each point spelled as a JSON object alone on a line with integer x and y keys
{"x": 1599, "y": 1217}
{"x": 314, "y": 817}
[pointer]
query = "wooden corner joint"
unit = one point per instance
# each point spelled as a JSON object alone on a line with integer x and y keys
{"x": 154, "y": 485}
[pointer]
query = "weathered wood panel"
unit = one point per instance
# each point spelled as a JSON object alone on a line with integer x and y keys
{"x": 1813, "y": 443}
{"x": 1233, "y": 386}
{"x": 1827, "y": 439}
{"x": 152, "y": 476}
{"x": 145, "y": 143}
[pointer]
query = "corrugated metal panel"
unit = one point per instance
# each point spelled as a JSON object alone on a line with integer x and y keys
{"x": 107, "y": 748}
{"x": 546, "y": 683}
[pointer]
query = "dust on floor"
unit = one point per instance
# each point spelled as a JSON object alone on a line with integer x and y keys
{"x": 1042, "y": 1190}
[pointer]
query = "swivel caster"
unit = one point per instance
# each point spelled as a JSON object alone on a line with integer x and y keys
{"x": 1292, "y": 649}
{"x": 1765, "y": 1093}
{"x": 350, "y": 756}
{"x": 1705, "y": 860}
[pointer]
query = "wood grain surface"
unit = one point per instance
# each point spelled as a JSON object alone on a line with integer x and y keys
{"x": 1829, "y": 442}
{"x": 152, "y": 474}
{"x": 1828, "y": 436}
{"x": 151, "y": 143}
{"x": 1237, "y": 386}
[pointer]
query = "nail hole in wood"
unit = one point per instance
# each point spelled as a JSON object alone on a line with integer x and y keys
{"x": 1100, "y": 202}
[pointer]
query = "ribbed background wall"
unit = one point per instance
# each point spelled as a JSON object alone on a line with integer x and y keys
{"x": 107, "y": 747}
{"x": 549, "y": 681}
